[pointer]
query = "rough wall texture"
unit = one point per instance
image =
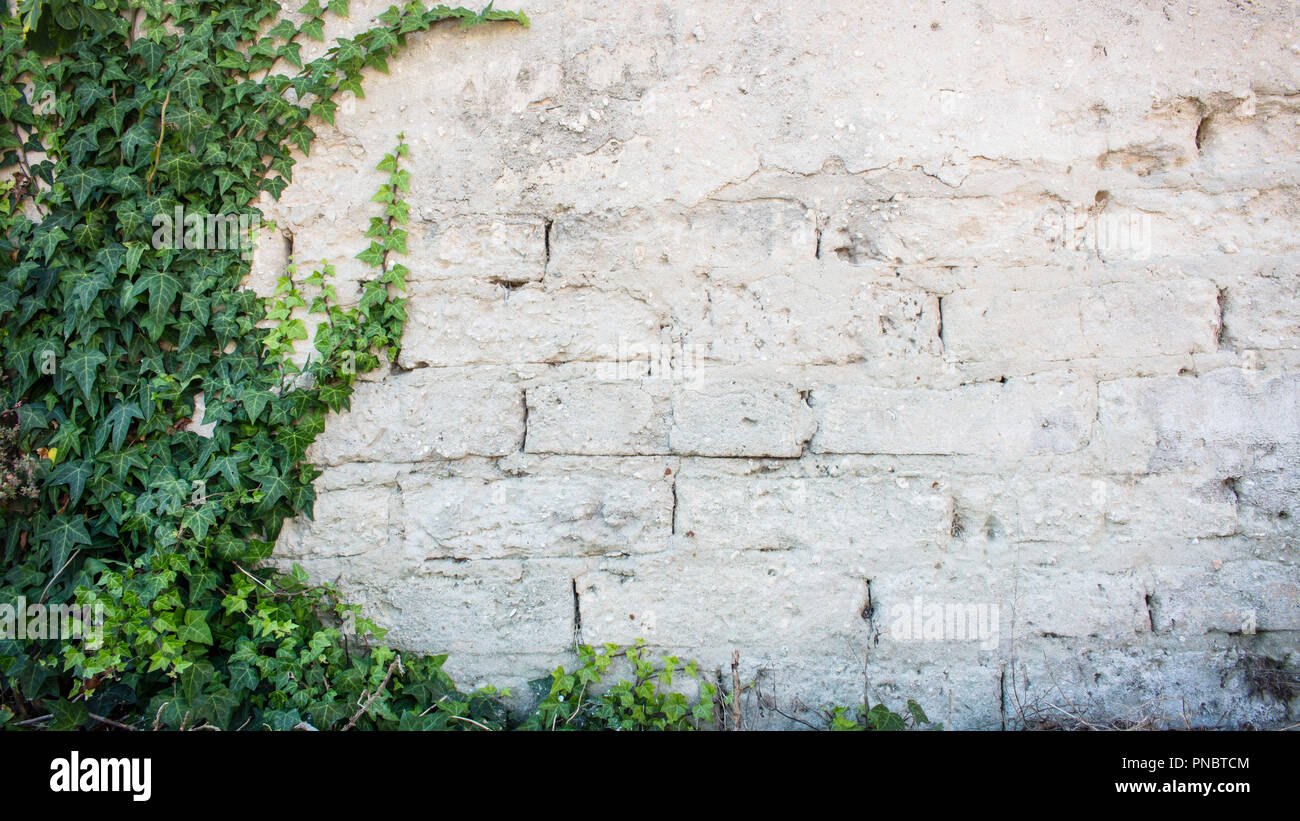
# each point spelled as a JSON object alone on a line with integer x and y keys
{"x": 775, "y": 327}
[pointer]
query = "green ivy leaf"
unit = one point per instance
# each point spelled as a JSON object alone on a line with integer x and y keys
{"x": 82, "y": 182}
{"x": 74, "y": 475}
{"x": 162, "y": 286}
{"x": 118, "y": 423}
{"x": 195, "y": 628}
{"x": 274, "y": 488}
{"x": 62, "y": 533}
{"x": 67, "y": 715}
{"x": 81, "y": 143}
{"x": 83, "y": 365}
{"x": 199, "y": 520}
{"x": 242, "y": 678}
{"x": 882, "y": 718}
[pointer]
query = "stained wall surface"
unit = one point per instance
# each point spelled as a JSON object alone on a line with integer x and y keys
{"x": 943, "y": 351}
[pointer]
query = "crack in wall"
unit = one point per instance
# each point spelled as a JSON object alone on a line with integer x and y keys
{"x": 868, "y": 613}
{"x": 577, "y": 613}
{"x": 1223, "y": 325}
{"x": 943, "y": 343}
{"x": 673, "y": 520}
{"x": 523, "y": 439}
{"x": 547, "y": 225}
{"x": 1002, "y": 697}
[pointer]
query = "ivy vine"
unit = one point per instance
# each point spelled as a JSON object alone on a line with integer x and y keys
{"x": 120, "y": 492}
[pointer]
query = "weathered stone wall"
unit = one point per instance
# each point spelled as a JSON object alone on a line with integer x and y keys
{"x": 767, "y": 327}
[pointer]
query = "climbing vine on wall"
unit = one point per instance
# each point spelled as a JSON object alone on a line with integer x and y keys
{"x": 120, "y": 115}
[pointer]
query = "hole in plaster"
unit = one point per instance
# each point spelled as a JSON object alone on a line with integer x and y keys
{"x": 1202, "y": 132}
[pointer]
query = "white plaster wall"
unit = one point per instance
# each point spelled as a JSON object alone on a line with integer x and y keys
{"x": 741, "y": 326}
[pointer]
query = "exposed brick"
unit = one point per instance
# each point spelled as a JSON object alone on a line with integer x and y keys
{"x": 740, "y": 418}
{"x": 486, "y": 606}
{"x": 1222, "y": 420}
{"x": 1080, "y": 603}
{"x": 345, "y": 522}
{"x": 808, "y": 314}
{"x": 503, "y": 249}
{"x": 1232, "y": 597}
{"x": 759, "y": 600}
{"x": 1131, "y": 321}
{"x": 858, "y": 520}
{"x": 487, "y": 323}
{"x": 711, "y": 235}
{"x": 549, "y": 513}
{"x": 599, "y": 418}
{"x": 1018, "y": 418}
{"x": 1094, "y": 511}
{"x": 1263, "y": 311}
{"x": 426, "y": 414}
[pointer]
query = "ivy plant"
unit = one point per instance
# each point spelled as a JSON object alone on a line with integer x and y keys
{"x": 118, "y": 113}
{"x": 881, "y": 717}
{"x": 578, "y": 701}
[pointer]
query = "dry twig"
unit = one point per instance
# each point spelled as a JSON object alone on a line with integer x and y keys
{"x": 396, "y": 665}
